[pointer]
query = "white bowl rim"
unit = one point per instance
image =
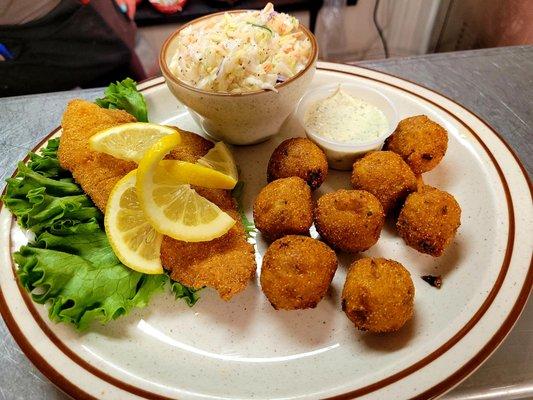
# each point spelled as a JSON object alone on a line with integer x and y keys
{"x": 300, "y": 113}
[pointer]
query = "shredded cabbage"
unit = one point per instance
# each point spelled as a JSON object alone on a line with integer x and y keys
{"x": 241, "y": 52}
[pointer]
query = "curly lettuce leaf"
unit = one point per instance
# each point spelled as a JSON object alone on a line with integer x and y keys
{"x": 79, "y": 291}
{"x": 125, "y": 96}
{"x": 43, "y": 193}
{"x": 237, "y": 194}
{"x": 70, "y": 265}
{"x": 47, "y": 163}
{"x": 190, "y": 295}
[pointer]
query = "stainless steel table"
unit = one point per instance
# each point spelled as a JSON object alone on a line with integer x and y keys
{"x": 497, "y": 84}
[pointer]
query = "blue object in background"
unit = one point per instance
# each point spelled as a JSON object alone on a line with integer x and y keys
{"x": 5, "y": 52}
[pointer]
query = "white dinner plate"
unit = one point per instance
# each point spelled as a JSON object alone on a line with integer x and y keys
{"x": 246, "y": 349}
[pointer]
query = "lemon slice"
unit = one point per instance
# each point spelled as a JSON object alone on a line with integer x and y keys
{"x": 220, "y": 159}
{"x": 129, "y": 141}
{"x": 135, "y": 242}
{"x": 196, "y": 174}
{"x": 172, "y": 207}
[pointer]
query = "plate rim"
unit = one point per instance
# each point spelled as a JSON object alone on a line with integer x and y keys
{"x": 456, "y": 377}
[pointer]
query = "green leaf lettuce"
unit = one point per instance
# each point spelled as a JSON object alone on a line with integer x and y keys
{"x": 125, "y": 96}
{"x": 70, "y": 264}
{"x": 237, "y": 194}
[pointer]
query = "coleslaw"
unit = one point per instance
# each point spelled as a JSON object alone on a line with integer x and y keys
{"x": 241, "y": 52}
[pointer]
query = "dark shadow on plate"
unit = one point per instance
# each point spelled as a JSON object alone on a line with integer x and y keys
{"x": 309, "y": 327}
{"x": 389, "y": 226}
{"x": 346, "y": 259}
{"x": 237, "y": 313}
{"x": 312, "y": 326}
{"x": 333, "y": 296}
{"x": 390, "y": 342}
{"x": 446, "y": 263}
{"x": 336, "y": 180}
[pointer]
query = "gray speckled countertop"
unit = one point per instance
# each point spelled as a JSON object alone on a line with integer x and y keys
{"x": 496, "y": 84}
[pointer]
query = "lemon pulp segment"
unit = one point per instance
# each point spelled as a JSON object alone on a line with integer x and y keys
{"x": 220, "y": 159}
{"x": 173, "y": 207}
{"x": 134, "y": 240}
{"x": 129, "y": 141}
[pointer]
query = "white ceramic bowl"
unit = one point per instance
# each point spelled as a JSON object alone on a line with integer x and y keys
{"x": 342, "y": 155}
{"x": 242, "y": 118}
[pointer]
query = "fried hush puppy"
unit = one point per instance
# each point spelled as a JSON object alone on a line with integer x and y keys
{"x": 298, "y": 157}
{"x": 284, "y": 207}
{"x": 386, "y": 176}
{"x": 428, "y": 220}
{"x": 297, "y": 272}
{"x": 378, "y": 295}
{"x": 349, "y": 220}
{"x": 420, "y": 141}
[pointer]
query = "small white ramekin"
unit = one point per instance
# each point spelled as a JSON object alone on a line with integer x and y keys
{"x": 342, "y": 155}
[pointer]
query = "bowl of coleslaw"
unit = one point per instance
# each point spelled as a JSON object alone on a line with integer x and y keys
{"x": 240, "y": 73}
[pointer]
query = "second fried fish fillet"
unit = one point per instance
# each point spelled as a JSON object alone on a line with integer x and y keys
{"x": 225, "y": 264}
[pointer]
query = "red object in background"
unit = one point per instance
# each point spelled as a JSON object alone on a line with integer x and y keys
{"x": 168, "y": 6}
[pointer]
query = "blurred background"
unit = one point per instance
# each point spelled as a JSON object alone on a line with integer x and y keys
{"x": 51, "y": 45}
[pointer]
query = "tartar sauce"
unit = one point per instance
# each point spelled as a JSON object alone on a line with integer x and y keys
{"x": 343, "y": 118}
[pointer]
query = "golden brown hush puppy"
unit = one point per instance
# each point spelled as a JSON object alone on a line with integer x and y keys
{"x": 284, "y": 207}
{"x": 428, "y": 220}
{"x": 386, "y": 176}
{"x": 298, "y": 157}
{"x": 296, "y": 272}
{"x": 378, "y": 295}
{"x": 349, "y": 220}
{"x": 420, "y": 141}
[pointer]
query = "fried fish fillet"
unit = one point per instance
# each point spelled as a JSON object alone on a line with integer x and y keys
{"x": 225, "y": 264}
{"x": 97, "y": 173}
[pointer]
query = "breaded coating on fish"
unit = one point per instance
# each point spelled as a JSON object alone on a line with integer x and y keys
{"x": 226, "y": 263}
{"x": 97, "y": 173}
{"x": 191, "y": 148}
